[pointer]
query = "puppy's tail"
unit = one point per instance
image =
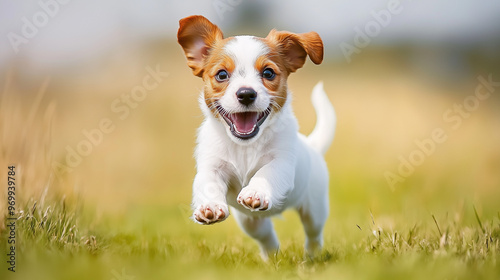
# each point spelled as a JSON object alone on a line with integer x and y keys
{"x": 322, "y": 135}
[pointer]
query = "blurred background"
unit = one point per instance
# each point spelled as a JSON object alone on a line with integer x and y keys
{"x": 76, "y": 116}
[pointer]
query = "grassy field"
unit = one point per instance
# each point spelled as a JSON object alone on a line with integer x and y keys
{"x": 123, "y": 211}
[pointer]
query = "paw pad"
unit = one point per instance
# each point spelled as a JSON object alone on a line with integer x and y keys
{"x": 209, "y": 214}
{"x": 253, "y": 202}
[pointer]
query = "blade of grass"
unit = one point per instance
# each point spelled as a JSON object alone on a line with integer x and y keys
{"x": 437, "y": 225}
{"x": 478, "y": 220}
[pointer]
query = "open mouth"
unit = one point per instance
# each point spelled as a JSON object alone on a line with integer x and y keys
{"x": 244, "y": 125}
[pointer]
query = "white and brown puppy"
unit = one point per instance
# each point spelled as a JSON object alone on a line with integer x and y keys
{"x": 250, "y": 155}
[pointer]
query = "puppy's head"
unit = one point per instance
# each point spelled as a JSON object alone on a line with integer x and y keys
{"x": 245, "y": 76}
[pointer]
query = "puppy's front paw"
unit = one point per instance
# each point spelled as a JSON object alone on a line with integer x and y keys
{"x": 210, "y": 213}
{"x": 254, "y": 200}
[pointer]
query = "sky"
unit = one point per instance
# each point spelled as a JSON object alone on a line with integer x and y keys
{"x": 52, "y": 32}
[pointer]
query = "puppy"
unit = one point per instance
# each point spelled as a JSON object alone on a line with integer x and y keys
{"x": 250, "y": 156}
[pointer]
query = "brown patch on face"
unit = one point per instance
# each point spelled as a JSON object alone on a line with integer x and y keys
{"x": 216, "y": 60}
{"x": 288, "y": 52}
{"x": 276, "y": 87}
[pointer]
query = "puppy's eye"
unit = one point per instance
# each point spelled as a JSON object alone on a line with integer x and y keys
{"x": 268, "y": 74}
{"x": 221, "y": 76}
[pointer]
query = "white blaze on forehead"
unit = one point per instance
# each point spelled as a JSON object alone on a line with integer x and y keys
{"x": 245, "y": 50}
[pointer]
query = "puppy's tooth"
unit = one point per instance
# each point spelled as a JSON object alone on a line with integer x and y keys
{"x": 209, "y": 214}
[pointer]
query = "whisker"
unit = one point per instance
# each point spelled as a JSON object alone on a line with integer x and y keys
{"x": 276, "y": 105}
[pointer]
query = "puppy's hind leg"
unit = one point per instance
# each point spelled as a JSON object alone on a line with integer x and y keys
{"x": 313, "y": 216}
{"x": 260, "y": 229}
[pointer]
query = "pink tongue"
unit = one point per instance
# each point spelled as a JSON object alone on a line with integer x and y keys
{"x": 245, "y": 122}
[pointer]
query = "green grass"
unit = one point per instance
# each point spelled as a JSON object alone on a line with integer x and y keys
{"x": 58, "y": 241}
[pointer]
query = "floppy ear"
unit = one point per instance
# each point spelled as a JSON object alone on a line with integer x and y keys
{"x": 197, "y": 35}
{"x": 296, "y": 47}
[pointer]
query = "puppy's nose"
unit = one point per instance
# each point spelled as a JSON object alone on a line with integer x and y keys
{"x": 246, "y": 96}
